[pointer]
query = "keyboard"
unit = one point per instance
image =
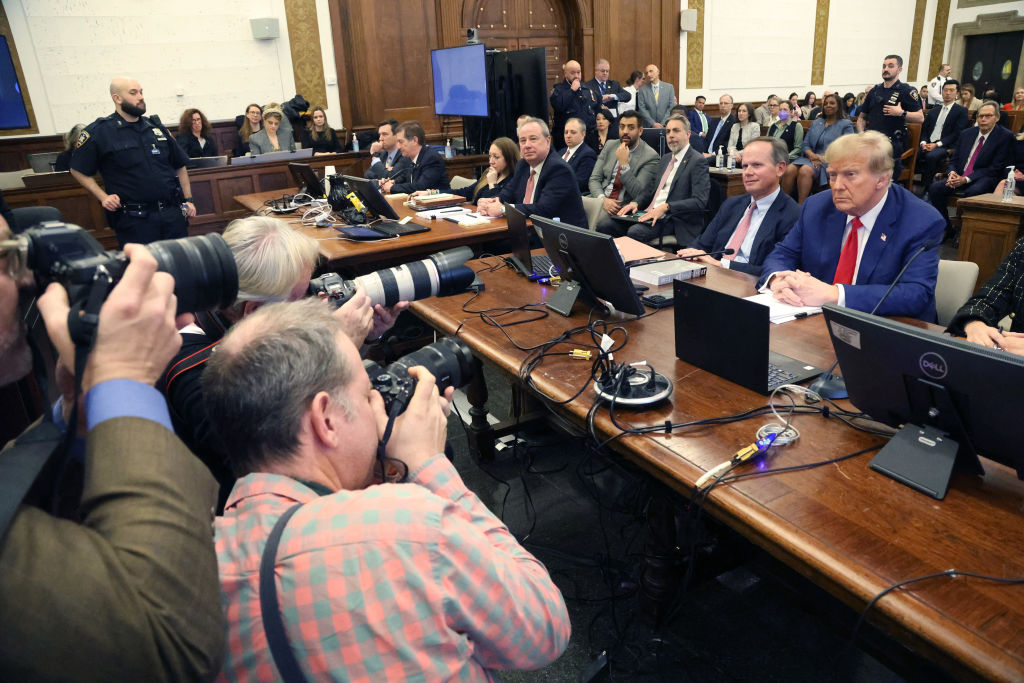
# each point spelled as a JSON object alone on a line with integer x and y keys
{"x": 390, "y": 227}
{"x": 777, "y": 376}
{"x": 542, "y": 265}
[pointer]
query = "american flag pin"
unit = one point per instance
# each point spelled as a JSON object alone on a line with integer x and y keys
{"x": 883, "y": 236}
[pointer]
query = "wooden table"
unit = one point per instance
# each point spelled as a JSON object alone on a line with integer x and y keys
{"x": 342, "y": 254}
{"x": 843, "y": 526}
{"x": 731, "y": 181}
{"x": 990, "y": 227}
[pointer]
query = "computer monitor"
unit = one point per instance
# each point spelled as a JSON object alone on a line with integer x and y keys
{"x": 590, "y": 264}
{"x": 306, "y": 180}
{"x": 954, "y": 400}
{"x": 655, "y": 137}
{"x": 460, "y": 80}
{"x": 370, "y": 195}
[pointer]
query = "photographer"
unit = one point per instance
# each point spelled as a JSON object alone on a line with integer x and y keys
{"x": 129, "y": 592}
{"x": 394, "y": 581}
{"x": 275, "y": 263}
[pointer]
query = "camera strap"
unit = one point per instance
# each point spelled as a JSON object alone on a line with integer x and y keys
{"x": 270, "y": 610}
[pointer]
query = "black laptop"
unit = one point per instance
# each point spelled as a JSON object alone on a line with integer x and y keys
{"x": 729, "y": 336}
{"x": 534, "y": 267}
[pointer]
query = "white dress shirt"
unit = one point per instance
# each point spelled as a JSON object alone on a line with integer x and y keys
{"x": 756, "y": 218}
{"x": 663, "y": 195}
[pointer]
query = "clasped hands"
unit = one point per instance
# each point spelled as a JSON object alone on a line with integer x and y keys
{"x": 955, "y": 180}
{"x": 797, "y": 288}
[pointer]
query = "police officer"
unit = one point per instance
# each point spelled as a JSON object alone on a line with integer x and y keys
{"x": 146, "y": 193}
{"x": 571, "y": 98}
{"x": 888, "y": 107}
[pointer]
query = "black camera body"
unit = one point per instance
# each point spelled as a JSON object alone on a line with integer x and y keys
{"x": 449, "y": 360}
{"x": 333, "y": 288}
{"x": 204, "y": 270}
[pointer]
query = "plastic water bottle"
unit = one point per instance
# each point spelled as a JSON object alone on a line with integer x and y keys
{"x": 355, "y": 143}
{"x": 718, "y": 158}
{"x": 448, "y": 153}
{"x": 732, "y": 163}
{"x": 1011, "y": 185}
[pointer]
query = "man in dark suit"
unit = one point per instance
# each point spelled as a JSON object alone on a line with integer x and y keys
{"x": 979, "y": 160}
{"x": 680, "y": 195}
{"x": 580, "y": 157}
{"x": 849, "y": 244}
{"x": 611, "y": 93}
{"x": 700, "y": 124}
{"x": 570, "y": 97}
{"x": 718, "y": 129}
{"x": 941, "y": 131}
{"x": 387, "y": 160}
{"x": 427, "y": 171}
{"x": 543, "y": 184}
{"x": 130, "y": 591}
{"x": 753, "y": 223}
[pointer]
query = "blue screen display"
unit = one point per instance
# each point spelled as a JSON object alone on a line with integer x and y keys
{"x": 12, "y": 104}
{"x": 460, "y": 81}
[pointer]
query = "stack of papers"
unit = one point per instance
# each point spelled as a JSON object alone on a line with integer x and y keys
{"x": 780, "y": 312}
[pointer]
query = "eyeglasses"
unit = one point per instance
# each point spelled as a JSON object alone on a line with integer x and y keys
{"x": 14, "y": 258}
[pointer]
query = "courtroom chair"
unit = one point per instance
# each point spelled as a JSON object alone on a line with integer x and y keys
{"x": 27, "y": 216}
{"x": 909, "y": 157}
{"x": 954, "y": 286}
{"x": 593, "y": 206}
{"x": 806, "y": 124}
{"x": 458, "y": 182}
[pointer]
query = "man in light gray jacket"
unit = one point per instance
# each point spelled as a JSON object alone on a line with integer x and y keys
{"x": 624, "y": 172}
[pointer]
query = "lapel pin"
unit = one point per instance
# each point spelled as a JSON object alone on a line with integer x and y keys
{"x": 883, "y": 237}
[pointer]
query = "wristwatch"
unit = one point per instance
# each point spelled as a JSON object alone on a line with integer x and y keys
{"x": 188, "y": 200}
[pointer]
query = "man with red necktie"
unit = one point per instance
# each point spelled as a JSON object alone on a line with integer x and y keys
{"x": 849, "y": 244}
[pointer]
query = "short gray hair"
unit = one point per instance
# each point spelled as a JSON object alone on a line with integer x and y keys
{"x": 545, "y": 131}
{"x": 682, "y": 119}
{"x": 271, "y": 257}
{"x": 780, "y": 153}
{"x": 258, "y": 387}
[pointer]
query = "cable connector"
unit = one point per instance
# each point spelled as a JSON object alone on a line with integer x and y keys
{"x": 581, "y": 354}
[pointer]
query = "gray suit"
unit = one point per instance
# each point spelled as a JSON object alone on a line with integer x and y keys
{"x": 656, "y": 112}
{"x": 638, "y": 181}
{"x": 259, "y": 143}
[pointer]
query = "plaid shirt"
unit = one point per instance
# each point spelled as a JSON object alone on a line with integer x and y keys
{"x": 393, "y": 582}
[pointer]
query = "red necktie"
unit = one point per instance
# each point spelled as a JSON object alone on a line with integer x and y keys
{"x": 969, "y": 168}
{"x": 528, "y": 195}
{"x": 848, "y": 256}
{"x": 565, "y": 157}
{"x": 616, "y": 183}
{"x": 740, "y": 234}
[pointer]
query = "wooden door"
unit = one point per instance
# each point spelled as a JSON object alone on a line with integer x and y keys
{"x": 523, "y": 24}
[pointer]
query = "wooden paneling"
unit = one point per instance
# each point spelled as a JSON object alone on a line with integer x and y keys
{"x": 631, "y": 34}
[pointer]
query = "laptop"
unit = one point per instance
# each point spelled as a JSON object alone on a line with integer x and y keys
{"x": 533, "y": 267}
{"x": 729, "y": 336}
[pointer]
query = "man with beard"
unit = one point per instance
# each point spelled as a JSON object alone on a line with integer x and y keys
{"x": 889, "y": 107}
{"x": 146, "y": 192}
{"x": 624, "y": 172}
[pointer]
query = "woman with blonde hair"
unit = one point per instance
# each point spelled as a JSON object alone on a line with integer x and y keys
{"x": 273, "y": 137}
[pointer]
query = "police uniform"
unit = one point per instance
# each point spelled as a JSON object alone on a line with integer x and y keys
{"x": 139, "y": 163}
{"x": 893, "y": 127}
{"x": 567, "y": 103}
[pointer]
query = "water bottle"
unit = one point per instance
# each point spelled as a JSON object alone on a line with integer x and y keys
{"x": 732, "y": 163}
{"x": 718, "y": 158}
{"x": 1011, "y": 185}
{"x": 355, "y": 143}
{"x": 448, "y": 153}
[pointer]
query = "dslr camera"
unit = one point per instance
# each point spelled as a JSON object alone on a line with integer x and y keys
{"x": 449, "y": 360}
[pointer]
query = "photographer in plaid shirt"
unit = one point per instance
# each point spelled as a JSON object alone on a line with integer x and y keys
{"x": 374, "y": 581}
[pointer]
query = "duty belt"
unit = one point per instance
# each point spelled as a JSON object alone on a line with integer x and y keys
{"x": 155, "y": 205}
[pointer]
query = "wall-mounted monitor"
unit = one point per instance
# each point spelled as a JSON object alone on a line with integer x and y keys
{"x": 13, "y": 114}
{"x": 460, "y": 81}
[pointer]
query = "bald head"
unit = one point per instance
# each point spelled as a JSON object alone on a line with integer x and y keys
{"x": 127, "y": 95}
{"x": 572, "y": 70}
{"x": 652, "y": 73}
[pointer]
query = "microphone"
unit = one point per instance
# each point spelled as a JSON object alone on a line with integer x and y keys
{"x": 645, "y": 261}
{"x": 831, "y": 386}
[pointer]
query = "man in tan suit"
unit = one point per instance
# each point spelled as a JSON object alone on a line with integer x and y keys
{"x": 130, "y": 592}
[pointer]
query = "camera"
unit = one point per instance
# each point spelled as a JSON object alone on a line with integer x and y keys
{"x": 204, "y": 270}
{"x": 440, "y": 274}
{"x": 449, "y": 360}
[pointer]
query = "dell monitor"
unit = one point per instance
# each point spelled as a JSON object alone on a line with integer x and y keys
{"x": 460, "y": 81}
{"x": 952, "y": 400}
{"x": 590, "y": 264}
{"x": 306, "y": 180}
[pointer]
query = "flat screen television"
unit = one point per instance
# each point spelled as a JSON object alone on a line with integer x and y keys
{"x": 460, "y": 81}
{"x": 13, "y": 114}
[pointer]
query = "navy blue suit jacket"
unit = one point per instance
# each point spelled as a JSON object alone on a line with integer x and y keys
{"x": 993, "y": 159}
{"x": 723, "y": 133}
{"x": 904, "y": 224}
{"x": 780, "y": 219}
{"x": 427, "y": 173}
{"x": 582, "y": 165}
{"x": 555, "y": 193}
{"x": 956, "y": 121}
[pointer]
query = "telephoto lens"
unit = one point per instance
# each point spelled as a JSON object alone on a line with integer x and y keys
{"x": 449, "y": 360}
{"x": 204, "y": 270}
{"x": 440, "y": 274}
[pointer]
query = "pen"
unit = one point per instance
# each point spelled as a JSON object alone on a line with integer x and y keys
{"x": 450, "y": 211}
{"x": 804, "y": 314}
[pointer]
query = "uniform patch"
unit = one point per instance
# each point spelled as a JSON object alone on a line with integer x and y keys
{"x": 82, "y": 139}
{"x": 914, "y": 95}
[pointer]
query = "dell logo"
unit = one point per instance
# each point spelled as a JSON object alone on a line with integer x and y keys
{"x": 563, "y": 241}
{"x": 933, "y": 365}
